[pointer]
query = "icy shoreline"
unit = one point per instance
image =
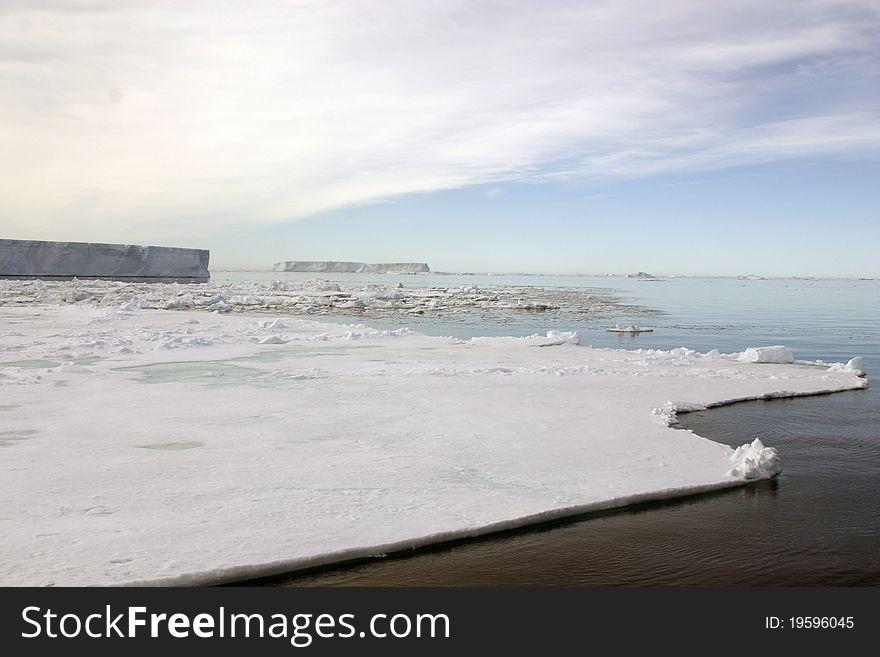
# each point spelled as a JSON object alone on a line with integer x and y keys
{"x": 156, "y": 447}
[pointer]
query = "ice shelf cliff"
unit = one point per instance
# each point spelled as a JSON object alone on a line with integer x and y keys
{"x": 125, "y": 262}
{"x": 333, "y": 266}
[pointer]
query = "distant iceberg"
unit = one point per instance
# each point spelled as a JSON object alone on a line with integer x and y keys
{"x": 121, "y": 262}
{"x": 332, "y": 266}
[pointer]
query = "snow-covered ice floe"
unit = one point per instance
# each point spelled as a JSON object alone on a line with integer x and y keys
{"x": 174, "y": 447}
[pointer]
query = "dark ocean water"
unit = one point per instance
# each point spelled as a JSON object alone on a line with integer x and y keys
{"x": 818, "y": 523}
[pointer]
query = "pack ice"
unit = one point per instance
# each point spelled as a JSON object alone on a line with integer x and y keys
{"x": 145, "y": 446}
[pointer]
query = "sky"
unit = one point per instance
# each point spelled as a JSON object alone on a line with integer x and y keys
{"x": 676, "y": 137}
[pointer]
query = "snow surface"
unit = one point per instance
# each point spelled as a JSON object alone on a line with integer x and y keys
{"x": 178, "y": 447}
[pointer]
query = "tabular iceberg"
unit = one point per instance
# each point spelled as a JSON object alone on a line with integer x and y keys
{"x": 336, "y": 266}
{"x": 129, "y": 262}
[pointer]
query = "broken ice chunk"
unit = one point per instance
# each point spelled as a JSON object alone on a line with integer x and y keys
{"x": 754, "y": 461}
{"x": 775, "y": 354}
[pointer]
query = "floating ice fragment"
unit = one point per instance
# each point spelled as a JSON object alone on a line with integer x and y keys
{"x": 246, "y": 300}
{"x": 774, "y": 354}
{"x": 274, "y": 325}
{"x": 754, "y": 461}
{"x": 134, "y": 304}
{"x": 857, "y": 363}
{"x": 534, "y": 306}
{"x": 67, "y": 366}
{"x": 185, "y": 341}
{"x": 73, "y": 295}
{"x": 272, "y": 339}
{"x": 562, "y": 337}
{"x": 632, "y": 328}
{"x": 854, "y": 365}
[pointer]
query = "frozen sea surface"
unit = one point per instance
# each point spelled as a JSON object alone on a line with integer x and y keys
{"x": 177, "y": 447}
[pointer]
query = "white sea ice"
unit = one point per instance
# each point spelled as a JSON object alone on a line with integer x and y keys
{"x": 249, "y": 459}
{"x": 564, "y": 337}
{"x": 632, "y": 328}
{"x": 774, "y": 354}
{"x": 754, "y": 461}
{"x": 313, "y": 296}
{"x": 857, "y": 363}
{"x": 550, "y": 339}
{"x": 273, "y": 325}
{"x": 271, "y": 339}
{"x": 854, "y": 365}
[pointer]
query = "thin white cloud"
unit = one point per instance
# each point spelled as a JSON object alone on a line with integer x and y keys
{"x": 126, "y": 120}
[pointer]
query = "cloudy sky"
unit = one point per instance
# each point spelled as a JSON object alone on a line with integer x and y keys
{"x": 678, "y": 137}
